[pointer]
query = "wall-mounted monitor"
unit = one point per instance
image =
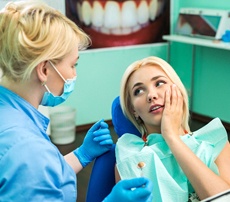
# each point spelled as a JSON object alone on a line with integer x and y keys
{"x": 203, "y": 22}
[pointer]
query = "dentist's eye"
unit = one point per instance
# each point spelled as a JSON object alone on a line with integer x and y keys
{"x": 75, "y": 65}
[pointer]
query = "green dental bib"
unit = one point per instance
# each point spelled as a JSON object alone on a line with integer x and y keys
{"x": 156, "y": 161}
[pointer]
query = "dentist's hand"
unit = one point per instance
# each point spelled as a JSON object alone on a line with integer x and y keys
{"x": 96, "y": 142}
{"x": 133, "y": 190}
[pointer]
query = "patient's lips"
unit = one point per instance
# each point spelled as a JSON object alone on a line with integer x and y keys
{"x": 118, "y": 23}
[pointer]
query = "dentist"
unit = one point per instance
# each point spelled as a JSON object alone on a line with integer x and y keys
{"x": 39, "y": 49}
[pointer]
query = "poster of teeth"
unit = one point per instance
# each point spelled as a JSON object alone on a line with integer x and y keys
{"x": 120, "y": 22}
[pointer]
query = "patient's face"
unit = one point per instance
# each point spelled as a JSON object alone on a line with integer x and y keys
{"x": 147, "y": 82}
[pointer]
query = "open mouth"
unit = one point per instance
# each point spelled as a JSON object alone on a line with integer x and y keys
{"x": 120, "y": 22}
{"x": 155, "y": 108}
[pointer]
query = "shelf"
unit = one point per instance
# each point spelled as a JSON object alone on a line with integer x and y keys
{"x": 198, "y": 41}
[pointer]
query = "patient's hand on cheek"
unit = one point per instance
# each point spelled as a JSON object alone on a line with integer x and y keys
{"x": 172, "y": 115}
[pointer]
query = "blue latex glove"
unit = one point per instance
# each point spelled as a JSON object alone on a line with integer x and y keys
{"x": 96, "y": 142}
{"x": 137, "y": 189}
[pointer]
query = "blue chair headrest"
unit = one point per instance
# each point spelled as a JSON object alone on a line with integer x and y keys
{"x": 120, "y": 122}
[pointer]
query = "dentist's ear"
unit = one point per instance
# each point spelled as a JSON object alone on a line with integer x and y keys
{"x": 41, "y": 70}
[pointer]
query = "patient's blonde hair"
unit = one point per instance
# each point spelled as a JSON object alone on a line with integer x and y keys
{"x": 32, "y": 32}
{"x": 125, "y": 98}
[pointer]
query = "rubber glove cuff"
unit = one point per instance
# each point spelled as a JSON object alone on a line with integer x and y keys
{"x": 82, "y": 156}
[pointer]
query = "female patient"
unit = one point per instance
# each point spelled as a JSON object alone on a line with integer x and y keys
{"x": 184, "y": 166}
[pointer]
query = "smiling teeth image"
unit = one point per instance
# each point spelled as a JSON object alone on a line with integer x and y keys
{"x": 112, "y": 17}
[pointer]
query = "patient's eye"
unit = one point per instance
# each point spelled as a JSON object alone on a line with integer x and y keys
{"x": 160, "y": 82}
{"x": 137, "y": 91}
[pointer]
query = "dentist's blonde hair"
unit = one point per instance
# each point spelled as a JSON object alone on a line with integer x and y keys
{"x": 125, "y": 98}
{"x": 32, "y": 32}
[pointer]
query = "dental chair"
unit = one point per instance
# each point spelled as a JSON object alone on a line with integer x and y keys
{"x": 102, "y": 178}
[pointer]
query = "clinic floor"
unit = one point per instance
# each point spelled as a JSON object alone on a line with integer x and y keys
{"x": 83, "y": 176}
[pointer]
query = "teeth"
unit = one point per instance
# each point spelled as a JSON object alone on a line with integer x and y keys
{"x": 97, "y": 15}
{"x": 79, "y": 11}
{"x": 105, "y": 30}
{"x": 128, "y": 14}
{"x": 155, "y": 108}
{"x": 118, "y": 18}
{"x": 126, "y": 30}
{"x": 160, "y": 7}
{"x": 186, "y": 28}
{"x": 86, "y": 12}
{"x": 136, "y": 28}
{"x": 112, "y": 15}
{"x": 153, "y": 9}
{"x": 143, "y": 13}
{"x": 116, "y": 31}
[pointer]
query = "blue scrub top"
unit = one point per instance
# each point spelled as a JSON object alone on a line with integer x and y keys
{"x": 31, "y": 167}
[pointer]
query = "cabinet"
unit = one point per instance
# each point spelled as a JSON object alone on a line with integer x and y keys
{"x": 194, "y": 42}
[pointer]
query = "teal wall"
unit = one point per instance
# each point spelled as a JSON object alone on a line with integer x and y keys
{"x": 211, "y": 92}
{"x": 99, "y": 72}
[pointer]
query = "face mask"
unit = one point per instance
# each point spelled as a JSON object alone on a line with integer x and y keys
{"x": 51, "y": 100}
